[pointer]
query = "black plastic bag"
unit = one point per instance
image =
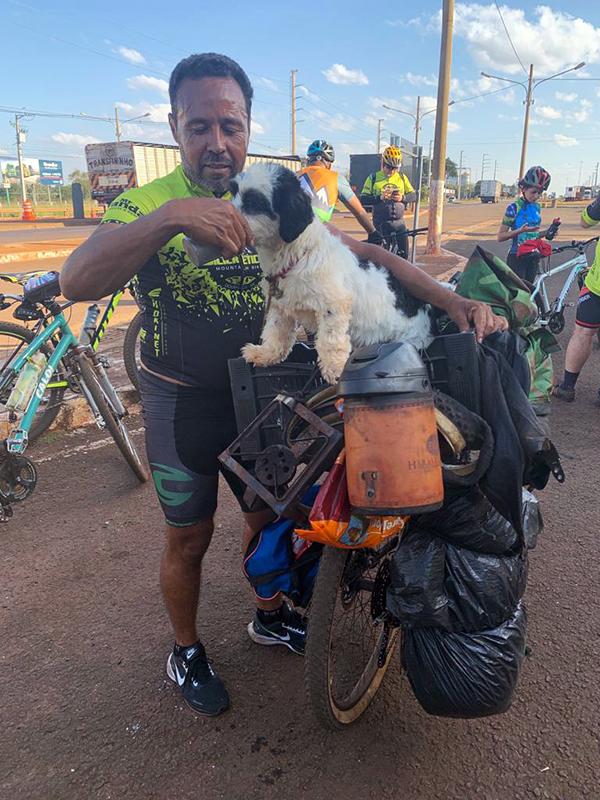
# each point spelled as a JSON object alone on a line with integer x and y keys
{"x": 470, "y": 520}
{"x": 465, "y": 674}
{"x": 434, "y": 584}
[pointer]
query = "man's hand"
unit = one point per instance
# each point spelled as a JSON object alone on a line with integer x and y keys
{"x": 472, "y": 313}
{"x": 374, "y": 237}
{"x": 208, "y": 220}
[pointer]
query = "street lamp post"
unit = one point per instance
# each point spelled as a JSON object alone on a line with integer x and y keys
{"x": 418, "y": 117}
{"x": 116, "y": 121}
{"x": 529, "y": 87}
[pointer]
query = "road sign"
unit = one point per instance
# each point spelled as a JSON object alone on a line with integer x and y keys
{"x": 6, "y": 185}
{"x": 51, "y": 173}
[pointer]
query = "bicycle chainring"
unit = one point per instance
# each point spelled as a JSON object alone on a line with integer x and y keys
{"x": 18, "y": 478}
{"x": 556, "y": 322}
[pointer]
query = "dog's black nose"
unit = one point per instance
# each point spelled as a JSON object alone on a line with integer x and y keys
{"x": 233, "y": 187}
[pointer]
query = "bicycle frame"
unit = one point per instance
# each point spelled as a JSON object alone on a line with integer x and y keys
{"x": 576, "y": 265}
{"x": 17, "y": 442}
{"x": 110, "y": 309}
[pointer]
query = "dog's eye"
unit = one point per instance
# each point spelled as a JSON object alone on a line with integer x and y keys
{"x": 254, "y": 202}
{"x": 233, "y": 187}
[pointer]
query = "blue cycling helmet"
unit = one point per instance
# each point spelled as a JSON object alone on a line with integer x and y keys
{"x": 321, "y": 149}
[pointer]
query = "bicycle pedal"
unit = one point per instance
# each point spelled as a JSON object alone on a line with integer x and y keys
{"x": 103, "y": 361}
{"x": 569, "y": 305}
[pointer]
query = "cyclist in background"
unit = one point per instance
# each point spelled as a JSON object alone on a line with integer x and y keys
{"x": 587, "y": 318}
{"x": 388, "y": 191}
{"x": 325, "y": 186}
{"x": 522, "y": 222}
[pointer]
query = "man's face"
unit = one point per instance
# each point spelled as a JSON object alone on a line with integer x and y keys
{"x": 212, "y": 129}
{"x": 387, "y": 169}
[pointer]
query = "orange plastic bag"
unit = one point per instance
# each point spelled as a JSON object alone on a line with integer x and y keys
{"x": 335, "y": 524}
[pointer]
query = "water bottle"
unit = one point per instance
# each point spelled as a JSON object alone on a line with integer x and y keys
{"x": 200, "y": 254}
{"x": 20, "y": 396}
{"x": 88, "y": 329}
{"x": 553, "y": 229}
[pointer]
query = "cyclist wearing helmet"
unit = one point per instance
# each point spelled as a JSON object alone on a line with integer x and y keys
{"x": 522, "y": 221}
{"x": 587, "y": 318}
{"x": 325, "y": 186}
{"x": 388, "y": 191}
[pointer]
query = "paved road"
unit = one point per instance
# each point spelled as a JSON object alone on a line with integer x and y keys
{"x": 87, "y": 710}
{"x": 46, "y": 234}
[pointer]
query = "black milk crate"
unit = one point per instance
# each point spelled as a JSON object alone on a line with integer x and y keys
{"x": 453, "y": 365}
{"x": 253, "y": 388}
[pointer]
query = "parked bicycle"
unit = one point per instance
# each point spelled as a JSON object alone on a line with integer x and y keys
{"x": 13, "y": 338}
{"x": 50, "y": 354}
{"x": 552, "y": 311}
{"x": 390, "y": 238}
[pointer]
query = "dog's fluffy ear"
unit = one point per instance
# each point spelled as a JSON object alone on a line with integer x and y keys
{"x": 292, "y": 205}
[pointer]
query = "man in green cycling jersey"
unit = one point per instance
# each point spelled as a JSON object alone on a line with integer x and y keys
{"x": 389, "y": 191}
{"x": 195, "y": 319}
{"x": 324, "y": 187}
{"x": 587, "y": 318}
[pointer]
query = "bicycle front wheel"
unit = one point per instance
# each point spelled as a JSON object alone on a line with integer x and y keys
{"x": 13, "y": 340}
{"x": 131, "y": 349}
{"x": 112, "y": 419}
{"x": 347, "y": 653}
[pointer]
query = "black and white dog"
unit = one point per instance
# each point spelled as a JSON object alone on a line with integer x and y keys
{"x": 316, "y": 281}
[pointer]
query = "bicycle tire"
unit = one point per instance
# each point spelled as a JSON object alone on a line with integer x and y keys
{"x": 317, "y": 668}
{"x": 114, "y": 423}
{"x": 130, "y": 345}
{"x": 45, "y": 415}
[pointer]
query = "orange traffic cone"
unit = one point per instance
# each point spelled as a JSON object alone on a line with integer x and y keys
{"x": 27, "y": 211}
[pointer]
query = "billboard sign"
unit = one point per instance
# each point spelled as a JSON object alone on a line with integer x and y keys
{"x": 51, "y": 173}
{"x": 10, "y": 170}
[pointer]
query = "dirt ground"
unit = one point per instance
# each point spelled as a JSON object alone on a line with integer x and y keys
{"x": 88, "y": 712}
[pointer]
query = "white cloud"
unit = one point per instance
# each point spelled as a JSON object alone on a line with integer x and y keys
{"x": 131, "y": 55}
{"x": 333, "y": 122}
{"x": 311, "y": 96}
{"x": 585, "y": 109}
{"x": 548, "y": 38}
{"x": 267, "y": 83}
{"x": 565, "y": 141}
{"x": 74, "y": 138}
{"x": 420, "y": 80}
{"x": 547, "y": 112}
{"x": 142, "y": 82}
{"x": 567, "y": 97}
{"x": 256, "y": 129}
{"x": 341, "y": 75}
{"x": 453, "y": 127}
{"x": 507, "y": 97}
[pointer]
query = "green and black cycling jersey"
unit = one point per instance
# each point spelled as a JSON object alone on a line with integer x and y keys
{"x": 195, "y": 318}
{"x": 591, "y": 216}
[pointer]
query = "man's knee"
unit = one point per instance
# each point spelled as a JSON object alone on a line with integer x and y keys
{"x": 190, "y": 543}
{"x": 584, "y": 332}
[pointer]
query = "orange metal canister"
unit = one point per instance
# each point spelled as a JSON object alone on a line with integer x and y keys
{"x": 392, "y": 455}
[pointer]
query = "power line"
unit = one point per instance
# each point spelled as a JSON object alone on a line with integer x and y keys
{"x": 509, "y": 39}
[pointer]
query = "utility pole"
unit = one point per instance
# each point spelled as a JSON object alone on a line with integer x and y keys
{"x": 529, "y": 103}
{"x": 596, "y": 181}
{"x": 379, "y": 121}
{"x": 462, "y": 152}
{"x": 484, "y": 164}
{"x": 580, "y": 170}
{"x": 293, "y": 109}
{"x": 436, "y": 197}
{"x": 19, "y": 131}
{"x": 117, "y": 124}
{"x": 495, "y": 168}
{"x": 418, "y": 121}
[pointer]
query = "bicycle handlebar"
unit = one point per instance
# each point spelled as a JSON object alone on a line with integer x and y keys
{"x": 575, "y": 245}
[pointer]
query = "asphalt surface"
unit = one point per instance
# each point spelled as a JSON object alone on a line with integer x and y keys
{"x": 45, "y": 234}
{"x": 87, "y": 709}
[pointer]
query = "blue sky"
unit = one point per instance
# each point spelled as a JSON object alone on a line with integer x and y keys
{"x": 351, "y": 59}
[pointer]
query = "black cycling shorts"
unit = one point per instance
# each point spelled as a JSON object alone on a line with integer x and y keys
{"x": 588, "y": 309}
{"x": 186, "y": 429}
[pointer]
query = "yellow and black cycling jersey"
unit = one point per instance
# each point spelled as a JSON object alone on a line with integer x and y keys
{"x": 591, "y": 216}
{"x": 195, "y": 318}
{"x": 373, "y": 189}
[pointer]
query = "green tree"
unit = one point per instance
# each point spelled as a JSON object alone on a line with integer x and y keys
{"x": 451, "y": 168}
{"x": 78, "y": 176}
{"x": 477, "y": 189}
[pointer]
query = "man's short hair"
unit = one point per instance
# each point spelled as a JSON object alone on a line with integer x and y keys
{"x": 209, "y": 65}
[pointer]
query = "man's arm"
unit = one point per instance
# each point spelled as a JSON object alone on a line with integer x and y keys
{"x": 114, "y": 253}
{"x": 591, "y": 215}
{"x": 465, "y": 313}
